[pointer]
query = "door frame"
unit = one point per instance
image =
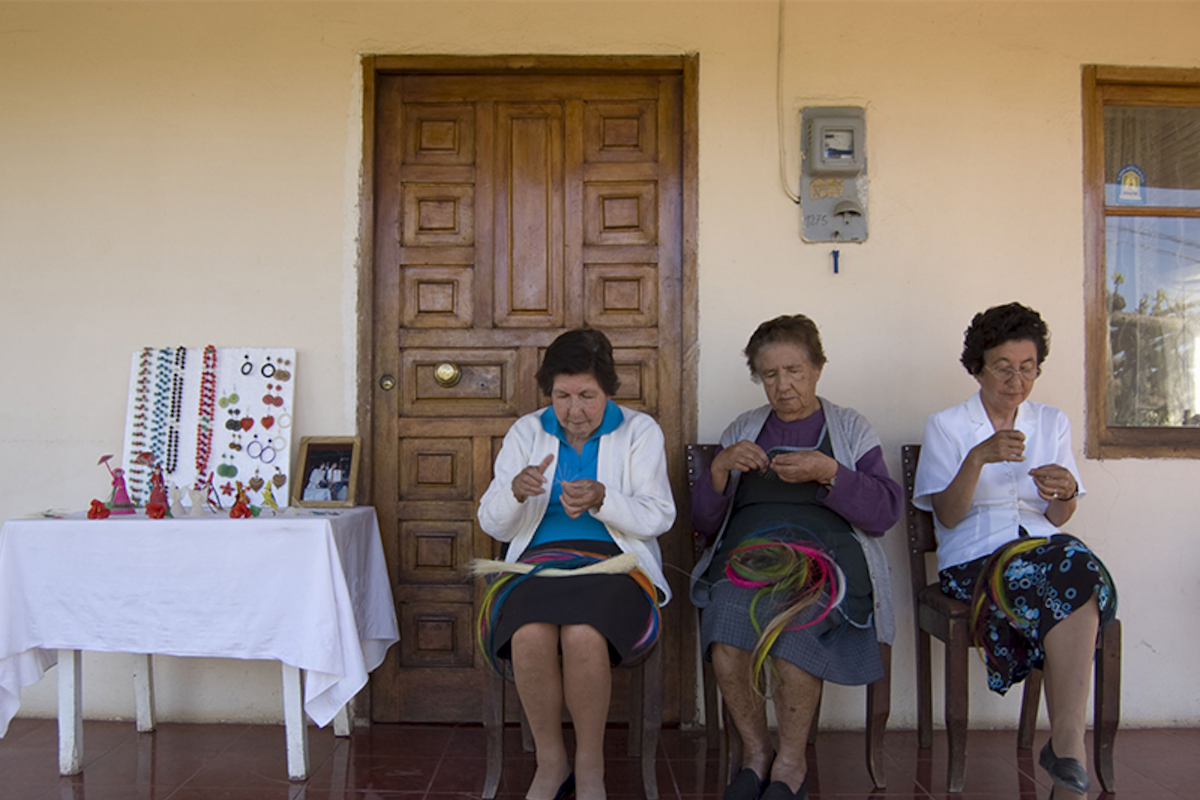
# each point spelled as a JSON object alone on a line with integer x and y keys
{"x": 687, "y": 66}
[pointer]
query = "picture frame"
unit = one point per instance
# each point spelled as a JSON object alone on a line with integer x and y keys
{"x": 327, "y": 472}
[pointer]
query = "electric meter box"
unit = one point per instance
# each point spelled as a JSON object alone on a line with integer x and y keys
{"x": 833, "y": 174}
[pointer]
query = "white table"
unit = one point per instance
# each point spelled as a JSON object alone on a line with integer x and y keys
{"x": 310, "y": 591}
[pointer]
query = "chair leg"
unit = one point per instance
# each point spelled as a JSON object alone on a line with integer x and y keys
{"x": 712, "y": 705}
{"x": 651, "y": 721}
{"x": 1030, "y": 701}
{"x": 493, "y": 723}
{"x": 527, "y": 743}
{"x": 731, "y": 754}
{"x": 958, "y": 647}
{"x": 924, "y": 692}
{"x": 815, "y": 723}
{"x": 637, "y": 691}
{"x": 879, "y": 708}
{"x": 1107, "y": 710}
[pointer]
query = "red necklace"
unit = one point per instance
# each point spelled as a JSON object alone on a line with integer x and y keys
{"x": 208, "y": 399}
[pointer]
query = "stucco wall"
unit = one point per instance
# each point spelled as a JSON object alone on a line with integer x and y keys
{"x": 187, "y": 173}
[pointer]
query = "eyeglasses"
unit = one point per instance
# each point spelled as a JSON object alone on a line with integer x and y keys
{"x": 1006, "y": 374}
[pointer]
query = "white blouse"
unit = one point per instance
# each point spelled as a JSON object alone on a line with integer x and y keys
{"x": 1006, "y": 496}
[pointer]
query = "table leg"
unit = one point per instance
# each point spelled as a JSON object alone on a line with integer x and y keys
{"x": 343, "y": 723}
{"x": 143, "y": 692}
{"x": 70, "y": 712}
{"x": 294, "y": 726}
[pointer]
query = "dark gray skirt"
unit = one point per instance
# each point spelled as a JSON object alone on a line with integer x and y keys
{"x": 846, "y": 654}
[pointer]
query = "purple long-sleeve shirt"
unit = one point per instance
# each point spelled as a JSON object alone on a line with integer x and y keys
{"x": 865, "y": 496}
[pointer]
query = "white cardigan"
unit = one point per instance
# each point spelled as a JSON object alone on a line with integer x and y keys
{"x": 632, "y": 464}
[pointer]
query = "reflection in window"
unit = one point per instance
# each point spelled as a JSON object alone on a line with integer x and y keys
{"x": 1153, "y": 295}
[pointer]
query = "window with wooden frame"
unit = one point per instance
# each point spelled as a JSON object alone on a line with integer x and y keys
{"x": 1141, "y": 147}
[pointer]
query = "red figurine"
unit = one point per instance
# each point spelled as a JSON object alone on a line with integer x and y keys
{"x": 156, "y": 506}
{"x": 120, "y": 502}
{"x": 98, "y": 510}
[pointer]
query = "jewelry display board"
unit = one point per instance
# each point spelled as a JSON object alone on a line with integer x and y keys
{"x": 219, "y": 414}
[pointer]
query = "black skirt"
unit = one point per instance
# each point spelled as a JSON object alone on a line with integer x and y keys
{"x": 615, "y": 605}
{"x": 1040, "y": 588}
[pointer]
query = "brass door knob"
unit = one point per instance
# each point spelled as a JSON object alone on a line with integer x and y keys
{"x": 387, "y": 383}
{"x": 447, "y": 374}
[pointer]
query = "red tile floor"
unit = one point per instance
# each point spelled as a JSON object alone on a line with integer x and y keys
{"x": 415, "y": 762}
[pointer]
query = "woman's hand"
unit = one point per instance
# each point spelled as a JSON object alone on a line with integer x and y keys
{"x": 1054, "y": 482}
{"x": 802, "y": 466}
{"x": 1006, "y": 445}
{"x": 953, "y": 503}
{"x": 580, "y": 496}
{"x": 531, "y": 480}
{"x": 745, "y": 456}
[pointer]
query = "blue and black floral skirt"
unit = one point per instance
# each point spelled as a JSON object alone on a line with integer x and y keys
{"x": 1022, "y": 591}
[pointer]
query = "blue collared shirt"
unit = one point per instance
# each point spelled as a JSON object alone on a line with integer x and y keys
{"x": 570, "y": 465}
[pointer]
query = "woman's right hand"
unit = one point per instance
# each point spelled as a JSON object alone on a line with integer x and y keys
{"x": 952, "y": 504}
{"x": 1008, "y": 445}
{"x": 531, "y": 480}
{"x": 745, "y": 456}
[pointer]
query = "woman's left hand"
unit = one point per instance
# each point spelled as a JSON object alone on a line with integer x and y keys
{"x": 802, "y": 466}
{"x": 1054, "y": 482}
{"x": 580, "y": 496}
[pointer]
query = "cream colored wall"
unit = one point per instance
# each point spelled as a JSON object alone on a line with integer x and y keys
{"x": 179, "y": 173}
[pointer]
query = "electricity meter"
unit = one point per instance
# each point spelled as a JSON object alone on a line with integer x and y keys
{"x": 833, "y": 179}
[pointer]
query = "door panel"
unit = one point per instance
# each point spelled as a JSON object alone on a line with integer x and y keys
{"x": 509, "y": 208}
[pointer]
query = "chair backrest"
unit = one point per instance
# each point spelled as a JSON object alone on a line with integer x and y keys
{"x": 699, "y": 459}
{"x": 921, "y": 538}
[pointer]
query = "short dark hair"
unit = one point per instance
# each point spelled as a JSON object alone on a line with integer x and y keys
{"x": 787, "y": 329}
{"x": 1000, "y": 324}
{"x": 584, "y": 351}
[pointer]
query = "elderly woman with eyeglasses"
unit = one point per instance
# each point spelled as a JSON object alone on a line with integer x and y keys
{"x": 795, "y": 584}
{"x": 999, "y": 475}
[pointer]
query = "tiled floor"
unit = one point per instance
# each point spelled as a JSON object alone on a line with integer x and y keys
{"x": 246, "y": 762}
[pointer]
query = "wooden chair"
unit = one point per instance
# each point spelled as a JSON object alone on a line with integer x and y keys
{"x": 645, "y": 693}
{"x": 949, "y": 620}
{"x": 879, "y": 693}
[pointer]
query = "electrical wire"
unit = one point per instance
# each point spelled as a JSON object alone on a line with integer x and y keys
{"x": 783, "y": 177}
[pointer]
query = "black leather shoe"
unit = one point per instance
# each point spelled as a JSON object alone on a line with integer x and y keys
{"x": 779, "y": 790}
{"x": 1067, "y": 772}
{"x": 566, "y": 790}
{"x": 746, "y": 785}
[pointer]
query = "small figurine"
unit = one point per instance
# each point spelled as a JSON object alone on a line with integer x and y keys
{"x": 269, "y": 498}
{"x": 241, "y": 504}
{"x": 197, "y": 498}
{"x": 98, "y": 510}
{"x": 120, "y": 502}
{"x": 176, "y": 509}
{"x": 156, "y": 506}
{"x": 211, "y": 496}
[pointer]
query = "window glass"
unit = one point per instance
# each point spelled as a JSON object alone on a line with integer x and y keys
{"x": 1151, "y": 156}
{"x": 1152, "y": 266}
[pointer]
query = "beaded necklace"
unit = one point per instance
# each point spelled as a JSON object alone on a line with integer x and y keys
{"x": 135, "y": 472}
{"x": 172, "y": 460}
{"x": 208, "y": 398}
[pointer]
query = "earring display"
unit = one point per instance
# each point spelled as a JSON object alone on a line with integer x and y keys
{"x": 210, "y": 414}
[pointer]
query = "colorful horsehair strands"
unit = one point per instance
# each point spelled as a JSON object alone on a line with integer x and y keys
{"x": 991, "y": 589}
{"x": 795, "y": 575}
{"x": 555, "y": 563}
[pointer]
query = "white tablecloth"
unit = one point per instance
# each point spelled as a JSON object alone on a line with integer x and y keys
{"x": 311, "y": 591}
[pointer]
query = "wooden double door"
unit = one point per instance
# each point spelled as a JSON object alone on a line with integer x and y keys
{"x": 508, "y": 209}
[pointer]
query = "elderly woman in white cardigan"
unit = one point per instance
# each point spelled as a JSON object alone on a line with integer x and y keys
{"x": 580, "y": 486}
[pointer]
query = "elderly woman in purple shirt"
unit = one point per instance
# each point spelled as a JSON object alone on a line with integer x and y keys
{"x": 795, "y": 502}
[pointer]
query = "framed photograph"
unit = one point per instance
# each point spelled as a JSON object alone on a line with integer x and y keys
{"x": 327, "y": 472}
